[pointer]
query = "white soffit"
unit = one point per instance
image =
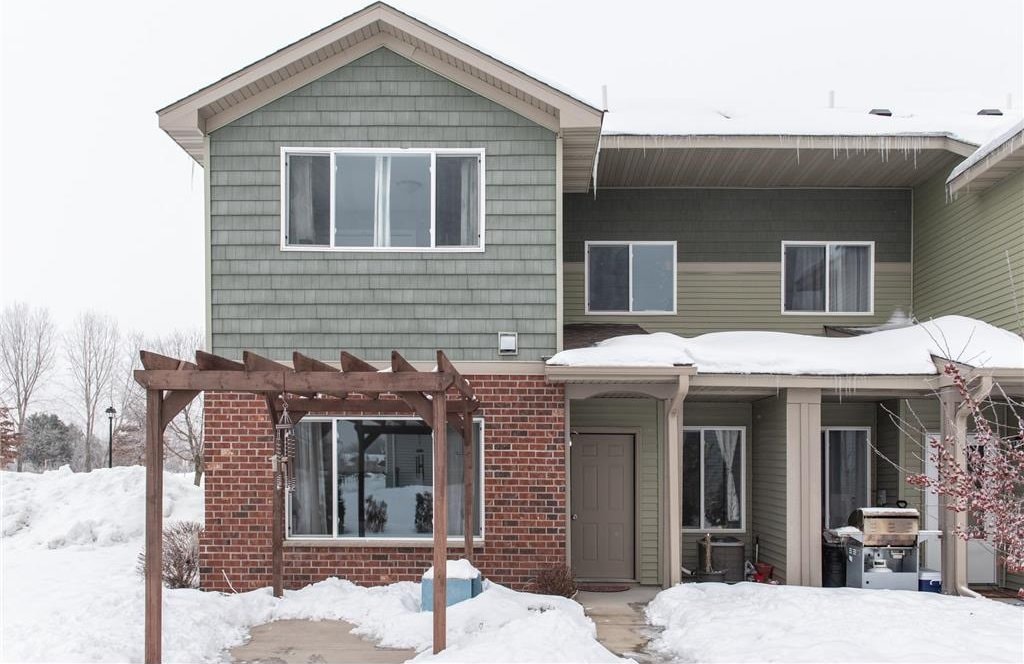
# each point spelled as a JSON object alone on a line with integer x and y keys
{"x": 189, "y": 120}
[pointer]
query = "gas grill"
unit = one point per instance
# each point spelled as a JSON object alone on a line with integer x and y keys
{"x": 883, "y": 551}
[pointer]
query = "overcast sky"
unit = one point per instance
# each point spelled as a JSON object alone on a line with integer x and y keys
{"x": 101, "y": 210}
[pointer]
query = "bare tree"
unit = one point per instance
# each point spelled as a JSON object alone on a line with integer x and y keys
{"x": 27, "y": 350}
{"x": 186, "y": 430}
{"x": 10, "y": 440}
{"x": 129, "y": 400}
{"x": 92, "y": 350}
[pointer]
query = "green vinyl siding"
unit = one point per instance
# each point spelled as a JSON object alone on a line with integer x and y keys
{"x": 717, "y": 297}
{"x": 886, "y": 455}
{"x": 647, "y": 417}
{"x": 768, "y": 463}
{"x": 273, "y": 301}
{"x": 969, "y": 252}
{"x": 729, "y": 248}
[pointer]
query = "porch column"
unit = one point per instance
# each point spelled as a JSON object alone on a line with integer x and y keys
{"x": 803, "y": 486}
{"x": 954, "y": 413}
{"x": 672, "y": 526}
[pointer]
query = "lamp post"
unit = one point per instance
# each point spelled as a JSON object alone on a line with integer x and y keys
{"x": 110, "y": 436}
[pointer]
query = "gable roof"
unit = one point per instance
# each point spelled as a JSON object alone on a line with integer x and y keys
{"x": 379, "y": 25}
{"x": 990, "y": 163}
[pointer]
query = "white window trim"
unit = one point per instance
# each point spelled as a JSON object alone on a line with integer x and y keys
{"x": 630, "y": 243}
{"x": 743, "y": 479}
{"x": 433, "y": 152}
{"x": 404, "y": 540}
{"x": 827, "y": 245}
{"x": 825, "y": 463}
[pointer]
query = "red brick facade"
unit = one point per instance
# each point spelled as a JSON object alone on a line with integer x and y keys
{"x": 524, "y": 497}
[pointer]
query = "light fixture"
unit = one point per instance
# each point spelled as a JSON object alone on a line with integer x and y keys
{"x": 508, "y": 343}
{"x": 110, "y": 411}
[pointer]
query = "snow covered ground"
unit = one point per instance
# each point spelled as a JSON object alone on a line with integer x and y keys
{"x": 70, "y": 592}
{"x": 750, "y": 622}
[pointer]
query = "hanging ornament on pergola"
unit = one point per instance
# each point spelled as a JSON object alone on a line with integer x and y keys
{"x": 283, "y": 461}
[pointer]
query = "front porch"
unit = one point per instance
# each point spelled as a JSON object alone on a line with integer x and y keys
{"x": 802, "y": 451}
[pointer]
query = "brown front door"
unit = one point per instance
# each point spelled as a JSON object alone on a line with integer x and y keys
{"x": 602, "y": 506}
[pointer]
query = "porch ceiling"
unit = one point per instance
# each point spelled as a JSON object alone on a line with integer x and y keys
{"x": 779, "y": 161}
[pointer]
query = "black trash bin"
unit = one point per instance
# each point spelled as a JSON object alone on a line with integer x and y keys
{"x": 833, "y": 565}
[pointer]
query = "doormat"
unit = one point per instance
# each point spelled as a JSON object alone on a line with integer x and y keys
{"x": 604, "y": 587}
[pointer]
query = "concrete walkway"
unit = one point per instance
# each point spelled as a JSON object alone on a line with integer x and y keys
{"x": 620, "y": 622}
{"x": 308, "y": 642}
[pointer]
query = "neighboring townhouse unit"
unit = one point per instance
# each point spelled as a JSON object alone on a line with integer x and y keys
{"x": 382, "y": 185}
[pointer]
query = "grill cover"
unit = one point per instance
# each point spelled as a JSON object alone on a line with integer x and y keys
{"x": 886, "y": 526}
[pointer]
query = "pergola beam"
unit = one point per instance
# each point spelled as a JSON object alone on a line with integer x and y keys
{"x": 292, "y": 381}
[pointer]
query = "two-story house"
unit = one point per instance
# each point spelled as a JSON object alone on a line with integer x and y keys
{"x": 382, "y": 185}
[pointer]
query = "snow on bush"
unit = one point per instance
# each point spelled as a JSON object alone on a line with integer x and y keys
{"x": 750, "y": 622}
{"x": 180, "y": 553}
{"x": 71, "y": 594}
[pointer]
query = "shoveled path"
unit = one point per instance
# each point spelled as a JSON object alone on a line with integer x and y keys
{"x": 620, "y": 622}
{"x": 309, "y": 642}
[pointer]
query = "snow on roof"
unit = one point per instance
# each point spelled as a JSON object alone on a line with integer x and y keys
{"x": 685, "y": 117}
{"x": 1008, "y": 140}
{"x": 903, "y": 351}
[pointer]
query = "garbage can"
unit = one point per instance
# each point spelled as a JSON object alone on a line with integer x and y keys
{"x": 833, "y": 565}
{"x": 727, "y": 555}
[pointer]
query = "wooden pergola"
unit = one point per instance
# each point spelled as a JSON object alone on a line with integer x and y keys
{"x": 309, "y": 386}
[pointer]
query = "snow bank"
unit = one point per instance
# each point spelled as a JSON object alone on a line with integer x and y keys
{"x": 71, "y": 592}
{"x": 61, "y": 508}
{"x": 456, "y": 569}
{"x": 750, "y": 622}
{"x": 906, "y": 350}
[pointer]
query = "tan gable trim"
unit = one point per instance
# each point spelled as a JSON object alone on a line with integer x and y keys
{"x": 188, "y": 120}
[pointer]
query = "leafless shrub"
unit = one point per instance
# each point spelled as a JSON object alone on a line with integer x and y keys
{"x": 181, "y": 555}
{"x": 557, "y": 580}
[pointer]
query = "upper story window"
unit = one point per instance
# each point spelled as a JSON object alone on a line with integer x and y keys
{"x": 382, "y": 199}
{"x": 828, "y": 277}
{"x": 631, "y": 277}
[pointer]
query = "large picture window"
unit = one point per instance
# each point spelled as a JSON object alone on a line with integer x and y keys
{"x": 714, "y": 486}
{"x": 828, "y": 277}
{"x": 362, "y": 478}
{"x": 382, "y": 200}
{"x": 631, "y": 277}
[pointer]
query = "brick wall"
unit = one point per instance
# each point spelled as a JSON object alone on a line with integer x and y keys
{"x": 524, "y": 500}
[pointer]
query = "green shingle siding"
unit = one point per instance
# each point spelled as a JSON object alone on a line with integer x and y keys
{"x": 969, "y": 252}
{"x": 768, "y": 453}
{"x": 274, "y": 301}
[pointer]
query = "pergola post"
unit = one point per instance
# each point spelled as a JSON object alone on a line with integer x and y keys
{"x": 440, "y": 520}
{"x": 154, "y": 524}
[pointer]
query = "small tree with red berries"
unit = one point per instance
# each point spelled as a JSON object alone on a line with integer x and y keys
{"x": 989, "y": 487}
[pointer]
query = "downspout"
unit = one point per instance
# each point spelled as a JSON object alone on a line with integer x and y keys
{"x": 960, "y": 518}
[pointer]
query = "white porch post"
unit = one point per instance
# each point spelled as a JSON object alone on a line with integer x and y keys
{"x": 803, "y": 486}
{"x": 673, "y": 522}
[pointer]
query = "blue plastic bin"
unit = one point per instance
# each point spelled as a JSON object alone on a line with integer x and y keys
{"x": 929, "y": 581}
{"x": 459, "y": 590}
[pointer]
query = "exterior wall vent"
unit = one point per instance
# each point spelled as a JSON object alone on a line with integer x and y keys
{"x": 881, "y": 111}
{"x": 990, "y": 111}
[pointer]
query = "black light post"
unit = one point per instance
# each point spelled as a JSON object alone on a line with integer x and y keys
{"x": 110, "y": 436}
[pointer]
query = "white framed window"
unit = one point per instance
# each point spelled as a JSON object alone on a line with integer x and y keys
{"x": 846, "y": 473}
{"x": 382, "y": 199}
{"x": 386, "y": 467}
{"x": 714, "y": 479}
{"x": 637, "y": 278}
{"x": 828, "y": 277}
